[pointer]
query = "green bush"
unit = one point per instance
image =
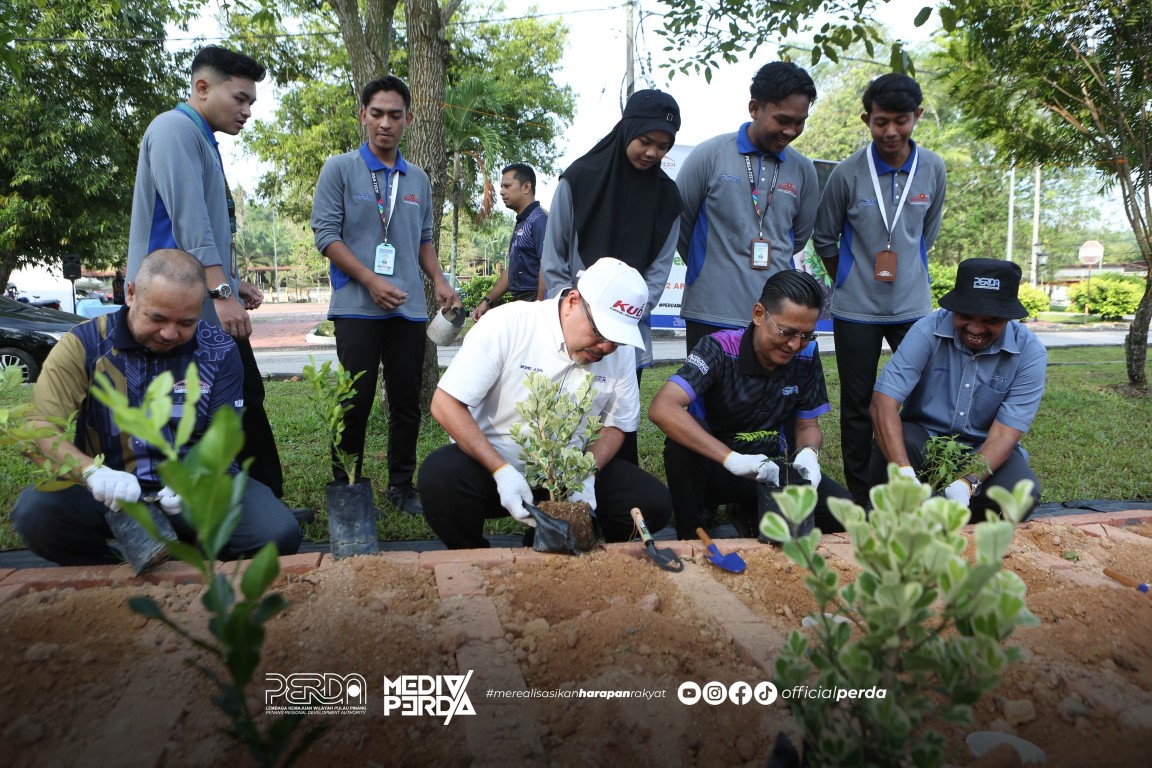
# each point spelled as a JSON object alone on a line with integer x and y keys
{"x": 1034, "y": 300}
{"x": 1110, "y": 296}
{"x": 476, "y": 289}
{"x": 943, "y": 277}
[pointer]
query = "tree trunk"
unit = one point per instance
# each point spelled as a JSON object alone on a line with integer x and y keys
{"x": 1136, "y": 342}
{"x": 368, "y": 39}
{"x": 7, "y": 266}
{"x": 427, "y": 63}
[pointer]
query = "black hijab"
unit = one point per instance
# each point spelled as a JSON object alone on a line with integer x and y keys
{"x": 620, "y": 211}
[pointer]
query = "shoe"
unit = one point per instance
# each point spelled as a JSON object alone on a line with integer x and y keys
{"x": 304, "y": 516}
{"x": 406, "y": 500}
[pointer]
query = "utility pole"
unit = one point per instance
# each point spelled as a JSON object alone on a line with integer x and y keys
{"x": 1011, "y": 211}
{"x": 630, "y": 52}
{"x": 1036, "y": 227}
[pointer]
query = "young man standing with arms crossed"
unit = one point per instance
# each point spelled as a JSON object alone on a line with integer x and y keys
{"x": 372, "y": 215}
{"x": 521, "y": 278}
{"x": 878, "y": 217}
{"x": 182, "y": 200}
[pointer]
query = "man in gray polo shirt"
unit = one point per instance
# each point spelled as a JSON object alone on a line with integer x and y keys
{"x": 879, "y": 215}
{"x": 971, "y": 370}
{"x": 749, "y": 204}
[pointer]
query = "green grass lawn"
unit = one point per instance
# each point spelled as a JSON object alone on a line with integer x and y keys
{"x": 1089, "y": 441}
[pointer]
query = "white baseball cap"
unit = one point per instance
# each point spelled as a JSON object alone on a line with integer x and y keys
{"x": 617, "y": 296}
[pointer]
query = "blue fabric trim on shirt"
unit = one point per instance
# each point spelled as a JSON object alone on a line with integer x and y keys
{"x": 160, "y": 233}
{"x": 883, "y": 167}
{"x": 745, "y": 146}
{"x": 698, "y": 248}
{"x": 376, "y": 164}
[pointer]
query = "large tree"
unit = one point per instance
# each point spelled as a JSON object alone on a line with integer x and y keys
{"x": 1071, "y": 81}
{"x": 79, "y": 88}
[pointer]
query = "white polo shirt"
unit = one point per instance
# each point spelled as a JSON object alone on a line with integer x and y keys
{"x": 513, "y": 340}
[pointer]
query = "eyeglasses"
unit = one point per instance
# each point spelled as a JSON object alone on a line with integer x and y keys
{"x": 600, "y": 339}
{"x": 789, "y": 335}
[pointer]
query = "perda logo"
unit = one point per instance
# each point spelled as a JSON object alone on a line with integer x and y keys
{"x": 986, "y": 283}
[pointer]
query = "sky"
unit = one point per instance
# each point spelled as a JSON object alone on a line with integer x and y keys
{"x": 594, "y": 67}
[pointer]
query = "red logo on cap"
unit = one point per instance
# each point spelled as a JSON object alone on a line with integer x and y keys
{"x": 628, "y": 309}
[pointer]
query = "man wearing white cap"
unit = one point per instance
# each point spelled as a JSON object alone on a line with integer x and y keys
{"x": 480, "y": 475}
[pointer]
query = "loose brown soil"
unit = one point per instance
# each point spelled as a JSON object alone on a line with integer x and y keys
{"x": 88, "y": 682}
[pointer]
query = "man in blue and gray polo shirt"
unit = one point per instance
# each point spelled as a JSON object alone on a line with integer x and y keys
{"x": 970, "y": 370}
{"x": 522, "y": 277}
{"x": 737, "y": 383}
{"x": 878, "y": 217}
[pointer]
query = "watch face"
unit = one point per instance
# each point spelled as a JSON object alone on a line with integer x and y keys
{"x": 222, "y": 291}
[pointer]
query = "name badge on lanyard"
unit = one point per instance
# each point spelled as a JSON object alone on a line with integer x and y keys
{"x": 761, "y": 256}
{"x": 886, "y": 259}
{"x": 385, "y": 262}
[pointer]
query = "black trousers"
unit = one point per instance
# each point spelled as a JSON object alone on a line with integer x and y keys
{"x": 858, "y": 348}
{"x": 459, "y": 495}
{"x": 696, "y": 483}
{"x": 259, "y": 441}
{"x": 694, "y": 331}
{"x": 396, "y": 346}
{"x": 1012, "y": 471}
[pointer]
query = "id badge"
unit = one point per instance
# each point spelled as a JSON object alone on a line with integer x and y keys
{"x": 385, "y": 260}
{"x": 886, "y": 266}
{"x": 761, "y": 253}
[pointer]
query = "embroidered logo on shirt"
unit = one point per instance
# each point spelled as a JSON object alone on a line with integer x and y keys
{"x": 698, "y": 363}
{"x": 788, "y": 188}
{"x": 411, "y": 199}
{"x": 792, "y": 390}
{"x": 920, "y": 199}
{"x": 999, "y": 378}
{"x": 729, "y": 177}
{"x": 361, "y": 197}
{"x": 866, "y": 204}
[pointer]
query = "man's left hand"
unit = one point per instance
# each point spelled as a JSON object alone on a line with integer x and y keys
{"x": 446, "y": 297}
{"x": 587, "y": 492}
{"x": 251, "y": 296}
{"x": 959, "y": 491}
{"x": 807, "y": 465}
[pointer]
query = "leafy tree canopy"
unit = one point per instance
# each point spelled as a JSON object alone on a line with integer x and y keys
{"x": 72, "y": 112}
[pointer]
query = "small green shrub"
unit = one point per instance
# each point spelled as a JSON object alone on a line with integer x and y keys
{"x": 1034, "y": 300}
{"x": 330, "y": 393}
{"x": 211, "y": 500}
{"x": 943, "y": 277}
{"x": 16, "y": 432}
{"x": 1111, "y": 296}
{"x": 929, "y": 625}
{"x": 477, "y": 288}
{"x": 558, "y": 428}
{"x": 946, "y": 459}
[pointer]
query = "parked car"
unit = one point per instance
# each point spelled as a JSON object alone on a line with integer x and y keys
{"x": 28, "y": 333}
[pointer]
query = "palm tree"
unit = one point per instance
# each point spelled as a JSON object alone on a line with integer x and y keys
{"x": 473, "y": 141}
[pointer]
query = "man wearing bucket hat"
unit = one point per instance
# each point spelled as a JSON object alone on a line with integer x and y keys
{"x": 969, "y": 369}
{"x": 480, "y": 474}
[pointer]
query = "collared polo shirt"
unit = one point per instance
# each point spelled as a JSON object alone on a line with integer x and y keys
{"x": 104, "y": 346}
{"x": 525, "y": 248}
{"x": 732, "y": 392}
{"x": 951, "y": 390}
{"x": 489, "y": 371}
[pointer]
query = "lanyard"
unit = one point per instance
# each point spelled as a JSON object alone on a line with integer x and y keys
{"x": 386, "y": 219}
{"x": 880, "y": 200}
{"x": 771, "y": 190}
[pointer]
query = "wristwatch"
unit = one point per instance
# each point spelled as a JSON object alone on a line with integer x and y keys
{"x": 222, "y": 291}
{"x": 975, "y": 483}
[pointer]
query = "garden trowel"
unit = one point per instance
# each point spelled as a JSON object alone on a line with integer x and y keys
{"x": 729, "y": 562}
{"x": 665, "y": 558}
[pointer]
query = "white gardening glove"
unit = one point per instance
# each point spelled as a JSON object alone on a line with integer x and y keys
{"x": 587, "y": 492}
{"x": 169, "y": 501}
{"x": 111, "y": 486}
{"x": 754, "y": 466}
{"x": 514, "y": 493}
{"x": 959, "y": 491}
{"x": 807, "y": 464}
{"x": 907, "y": 471}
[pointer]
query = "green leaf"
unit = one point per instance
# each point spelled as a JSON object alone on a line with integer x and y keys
{"x": 773, "y": 527}
{"x": 922, "y": 16}
{"x": 261, "y": 572}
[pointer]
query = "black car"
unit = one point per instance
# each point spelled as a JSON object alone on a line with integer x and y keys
{"x": 28, "y": 333}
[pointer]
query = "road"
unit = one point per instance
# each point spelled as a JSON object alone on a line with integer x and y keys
{"x": 282, "y": 360}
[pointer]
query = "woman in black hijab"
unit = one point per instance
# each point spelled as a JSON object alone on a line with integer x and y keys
{"x": 617, "y": 201}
